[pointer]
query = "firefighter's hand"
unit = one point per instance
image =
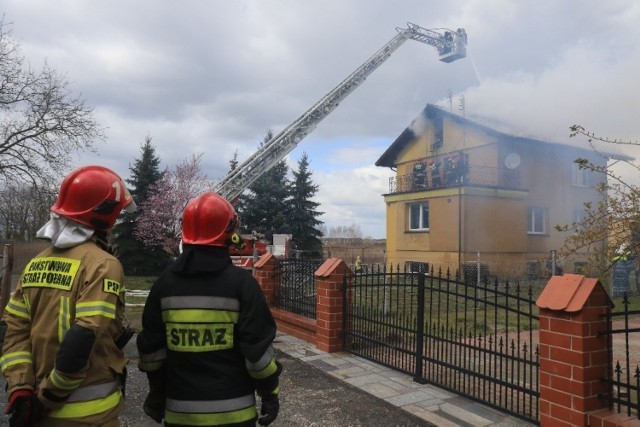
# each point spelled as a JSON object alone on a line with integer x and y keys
{"x": 153, "y": 406}
{"x": 25, "y": 408}
{"x": 269, "y": 409}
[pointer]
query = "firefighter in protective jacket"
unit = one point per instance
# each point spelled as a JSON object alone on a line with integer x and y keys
{"x": 62, "y": 354}
{"x": 207, "y": 332}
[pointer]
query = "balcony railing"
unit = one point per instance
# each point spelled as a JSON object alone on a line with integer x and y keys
{"x": 473, "y": 176}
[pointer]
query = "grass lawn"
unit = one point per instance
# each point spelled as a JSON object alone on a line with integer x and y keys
{"x": 135, "y": 304}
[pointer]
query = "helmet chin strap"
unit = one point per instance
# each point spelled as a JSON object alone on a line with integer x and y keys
{"x": 63, "y": 232}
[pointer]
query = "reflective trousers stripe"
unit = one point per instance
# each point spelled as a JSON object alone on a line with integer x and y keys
{"x": 87, "y": 407}
{"x": 215, "y": 412}
{"x": 224, "y": 418}
{"x": 93, "y": 392}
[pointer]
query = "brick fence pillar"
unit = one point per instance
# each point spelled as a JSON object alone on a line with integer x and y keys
{"x": 573, "y": 357}
{"x": 329, "y": 309}
{"x": 264, "y": 270}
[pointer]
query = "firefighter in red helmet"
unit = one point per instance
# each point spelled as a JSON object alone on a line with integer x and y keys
{"x": 207, "y": 332}
{"x": 62, "y": 355}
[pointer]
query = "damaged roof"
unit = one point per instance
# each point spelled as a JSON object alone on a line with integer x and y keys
{"x": 431, "y": 112}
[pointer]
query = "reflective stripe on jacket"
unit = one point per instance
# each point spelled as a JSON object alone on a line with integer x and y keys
{"x": 219, "y": 412}
{"x": 212, "y": 332}
{"x": 60, "y": 288}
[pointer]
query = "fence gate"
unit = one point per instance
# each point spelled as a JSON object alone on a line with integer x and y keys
{"x": 479, "y": 340}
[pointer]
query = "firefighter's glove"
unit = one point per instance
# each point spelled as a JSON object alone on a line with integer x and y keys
{"x": 269, "y": 409}
{"x": 153, "y": 406}
{"x": 154, "y": 403}
{"x": 25, "y": 408}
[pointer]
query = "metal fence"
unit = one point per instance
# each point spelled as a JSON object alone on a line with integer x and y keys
{"x": 476, "y": 176}
{"x": 479, "y": 340}
{"x": 295, "y": 289}
{"x": 624, "y": 350}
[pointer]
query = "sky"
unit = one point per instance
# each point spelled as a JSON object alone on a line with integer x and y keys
{"x": 213, "y": 76}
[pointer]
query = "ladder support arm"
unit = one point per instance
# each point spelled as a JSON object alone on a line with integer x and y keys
{"x": 284, "y": 142}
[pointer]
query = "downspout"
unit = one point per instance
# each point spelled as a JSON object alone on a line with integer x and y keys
{"x": 460, "y": 226}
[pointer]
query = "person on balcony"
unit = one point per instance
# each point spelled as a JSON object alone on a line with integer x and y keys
{"x": 435, "y": 174}
{"x": 419, "y": 174}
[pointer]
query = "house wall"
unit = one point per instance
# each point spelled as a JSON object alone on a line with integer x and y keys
{"x": 489, "y": 217}
{"x": 547, "y": 174}
{"x": 493, "y": 222}
{"x": 457, "y": 137}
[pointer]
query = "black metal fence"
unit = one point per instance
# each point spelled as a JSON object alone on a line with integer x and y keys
{"x": 625, "y": 351}
{"x": 476, "y": 176}
{"x": 477, "y": 340}
{"x": 295, "y": 289}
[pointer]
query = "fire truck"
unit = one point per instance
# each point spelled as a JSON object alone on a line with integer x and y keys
{"x": 247, "y": 250}
{"x": 451, "y": 46}
{"x": 252, "y": 246}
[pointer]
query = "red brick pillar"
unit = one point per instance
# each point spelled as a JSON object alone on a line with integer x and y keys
{"x": 573, "y": 358}
{"x": 264, "y": 270}
{"x": 329, "y": 312}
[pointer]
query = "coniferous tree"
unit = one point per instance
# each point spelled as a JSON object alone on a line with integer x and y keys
{"x": 138, "y": 259}
{"x": 303, "y": 214}
{"x": 264, "y": 207}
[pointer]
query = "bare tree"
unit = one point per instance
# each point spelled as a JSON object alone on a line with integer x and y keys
{"x": 41, "y": 123}
{"x": 352, "y": 231}
{"x": 613, "y": 221}
{"x": 23, "y": 210}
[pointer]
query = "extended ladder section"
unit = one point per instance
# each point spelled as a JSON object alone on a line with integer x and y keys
{"x": 451, "y": 45}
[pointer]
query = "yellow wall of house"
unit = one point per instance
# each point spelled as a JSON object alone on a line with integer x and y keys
{"x": 457, "y": 137}
{"x": 494, "y": 222}
{"x": 489, "y": 219}
{"x": 458, "y": 231}
{"x": 478, "y": 145}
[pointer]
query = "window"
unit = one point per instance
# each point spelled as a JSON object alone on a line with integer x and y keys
{"x": 416, "y": 266}
{"x": 536, "y": 221}
{"x": 438, "y": 134}
{"x": 579, "y": 216}
{"x": 419, "y": 216}
{"x": 580, "y": 176}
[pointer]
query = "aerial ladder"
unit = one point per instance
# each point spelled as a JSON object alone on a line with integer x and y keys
{"x": 451, "y": 45}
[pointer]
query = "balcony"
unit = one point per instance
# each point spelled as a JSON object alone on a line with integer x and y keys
{"x": 471, "y": 176}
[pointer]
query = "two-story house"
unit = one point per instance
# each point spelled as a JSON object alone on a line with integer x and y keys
{"x": 464, "y": 192}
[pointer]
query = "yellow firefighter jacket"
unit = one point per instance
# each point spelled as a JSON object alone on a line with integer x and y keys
{"x": 79, "y": 289}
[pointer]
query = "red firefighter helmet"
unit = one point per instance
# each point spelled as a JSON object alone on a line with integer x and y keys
{"x": 93, "y": 196}
{"x": 209, "y": 220}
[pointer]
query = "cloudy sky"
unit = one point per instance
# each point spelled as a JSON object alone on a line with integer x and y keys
{"x": 213, "y": 76}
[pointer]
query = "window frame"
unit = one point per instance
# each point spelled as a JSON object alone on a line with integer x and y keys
{"x": 580, "y": 176}
{"x": 532, "y": 220}
{"x": 423, "y": 223}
